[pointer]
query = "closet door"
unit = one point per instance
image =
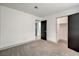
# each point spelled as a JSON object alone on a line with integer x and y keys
{"x": 73, "y": 32}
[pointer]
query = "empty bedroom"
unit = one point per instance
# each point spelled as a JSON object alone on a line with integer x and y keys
{"x": 39, "y": 29}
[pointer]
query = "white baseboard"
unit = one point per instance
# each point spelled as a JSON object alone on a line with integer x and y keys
{"x": 14, "y": 45}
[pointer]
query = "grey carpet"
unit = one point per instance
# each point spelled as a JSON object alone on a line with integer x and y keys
{"x": 40, "y": 48}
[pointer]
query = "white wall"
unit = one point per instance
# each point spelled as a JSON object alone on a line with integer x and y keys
{"x": 62, "y": 20}
{"x": 16, "y": 27}
{"x": 52, "y": 20}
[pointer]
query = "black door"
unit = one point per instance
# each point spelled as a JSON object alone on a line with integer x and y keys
{"x": 73, "y": 32}
{"x": 43, "y": 29}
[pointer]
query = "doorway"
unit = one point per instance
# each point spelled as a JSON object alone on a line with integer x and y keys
{"x": 37, "y": 29}
{"x": 41, "y": 29}
{"x": 62, "y": 29}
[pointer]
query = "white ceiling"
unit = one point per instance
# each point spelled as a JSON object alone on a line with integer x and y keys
{"x": 44, "y": 9}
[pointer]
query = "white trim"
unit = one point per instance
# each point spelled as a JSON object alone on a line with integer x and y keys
{"x": 7, "y": 47}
